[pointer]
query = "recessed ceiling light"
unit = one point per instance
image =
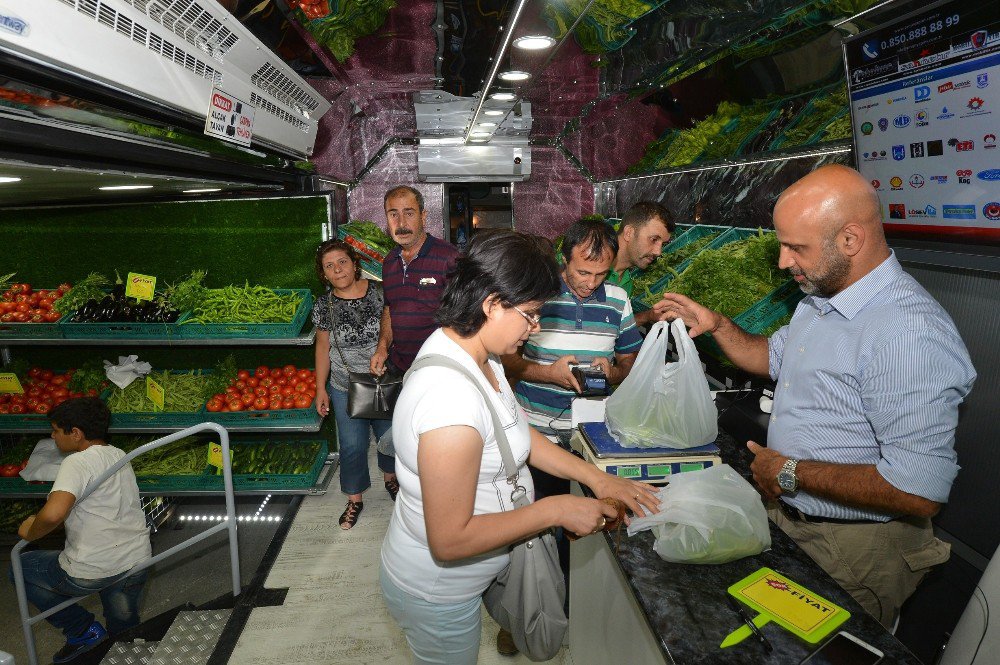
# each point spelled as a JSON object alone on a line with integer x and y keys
{"x": 503, "y": 96}
{"x": 117, "y": 187}
{"x": 487, "y": 124}
{"x": 534, "y": 42}
{"x": 8, "y": 178}
{"x": 515, "y": 75}
{"x": 200, "y": 191}
{"x": 494, "y": 112}
{"x": 479, "y": 135}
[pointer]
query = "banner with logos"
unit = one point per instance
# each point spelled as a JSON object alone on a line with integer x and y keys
{"x": 925, "y": 103}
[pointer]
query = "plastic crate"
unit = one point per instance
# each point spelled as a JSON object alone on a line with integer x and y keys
{"x": 690, "y": 236}
{"x": 187, "y": 330}
{"x": 781, "y": 141}
{"x": 284, "y": 417}
{"x": 778, "y": 305}
{"x": 117, "y": 329}
{"x": 144, "y": 419}
{"x": 18, "y": 485}
{"x": 31, "y": 330}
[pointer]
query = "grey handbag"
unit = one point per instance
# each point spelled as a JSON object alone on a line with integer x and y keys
{"x": 368, "y": 396}
{"x": 528, "y": 597}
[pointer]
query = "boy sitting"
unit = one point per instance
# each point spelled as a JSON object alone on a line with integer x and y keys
{"x": 106, "y": 533}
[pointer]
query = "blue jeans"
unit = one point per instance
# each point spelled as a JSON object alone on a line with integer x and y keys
{"x": 353, "y": 437}
{"x": 47, "y": 584}
{"x": 438, "y": 634}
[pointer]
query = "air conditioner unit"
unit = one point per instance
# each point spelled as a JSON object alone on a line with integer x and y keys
{"x": 473, "y": 163}
{"x": 170, "y": 52}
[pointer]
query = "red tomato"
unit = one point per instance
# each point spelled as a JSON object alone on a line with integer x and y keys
{"x": 243, "y": 375}
{"x": 302, "y": 402}
{"x": 275, "y": 373}
{"x": 46, "y": 374}
{"x": 293, "y": 380}
{"x": 288, "y": 370}
{"x": 261, "y": 403}
{"x": 301, "y": 388}
{"x": 17, "y": 407}
{"x": 19, "y": 317}
{"x": 214, "y": 405}
{"x": 267, "y": 382}
{"x": 261, "y": 372}
{"x": 42, "y": 407}
{"x": 247, "y": 398}
{"x": 4, "y": 398}
{"x": 35, "y": 372}
{"x": 288, "y": 391}
{"x": 45, "y": 303}
{"x": 275, "y": 389}
{"x": 4, "y": 408}
{"x": 234, "y": 405}
{"x": 232, "y": 392}
{"x": 304, "y": 374}
{"x": 240, "y": 385}
{"x": 52, "y": 316}
{"x": 252, "y": 382}
{"x": 65, "y": 286}
{"x": 58, "y": 380}
{"x": 288, "y": 403}
{"x": 22, "y": 307}
{"x": 60, "y": 392}
{"x": 260, "y": 391}
{"x": 282, "y": 380}
{"x": 9, "y": 471}
{"x": 7, "y": 317}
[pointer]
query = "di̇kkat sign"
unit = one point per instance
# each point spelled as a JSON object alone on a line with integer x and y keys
{"x": 229, "y": 118}
{"x": 925, "y": 106}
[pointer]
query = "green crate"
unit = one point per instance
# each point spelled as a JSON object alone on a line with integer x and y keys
{"x": 777, "y": 306}
{"x": 210, "y": 481}
{"x": 279, "y": 417}
{"x": 18, "y": 485}
{"x": 372, "y": 268}
{"x": 144, "y": 419}
{"x": 119, "y": 330}
{"x": 188, "y": 330}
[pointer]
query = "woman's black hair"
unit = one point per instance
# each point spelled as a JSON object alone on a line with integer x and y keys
{"x": 89, "y": 414}
{"x": 333, "y": 245}
{"x": 513, "y": 267}
{"x": 594, "y": 236}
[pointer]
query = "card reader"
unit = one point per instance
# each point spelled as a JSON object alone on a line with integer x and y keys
{"x": 592, "y": 381}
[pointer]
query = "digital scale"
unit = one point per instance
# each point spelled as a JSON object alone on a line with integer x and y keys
{"x": 650, "y": 465}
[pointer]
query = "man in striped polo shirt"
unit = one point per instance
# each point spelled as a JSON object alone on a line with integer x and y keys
{"x": 590, "y": 322}
{"x": 413, "y": 280}
{"x": 869, "y": 377}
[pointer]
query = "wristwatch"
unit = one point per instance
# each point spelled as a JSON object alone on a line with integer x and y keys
{"x": 787, "y": 480}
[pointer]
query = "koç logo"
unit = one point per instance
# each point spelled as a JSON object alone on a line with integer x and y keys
{"x": 964, "y": 176}
{"x": 921, "y": 93}
{"x": 989, "y": 174}
{"x": 901, "y": 120}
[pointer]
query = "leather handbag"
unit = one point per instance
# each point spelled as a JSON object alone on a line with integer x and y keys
{"x": 528, "y": 597}
{"x": 368, "y": 396}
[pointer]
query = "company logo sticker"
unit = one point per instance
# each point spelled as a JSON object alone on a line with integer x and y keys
{"x": 989, "y": 141}
{"x": 921, "y": 118}
{"x": 916, "y": 150}
{"x": 896, "y": 182}
{"x": 930, "y": 211}
{"x": 991, "y": 211}
{"x": 958, "y": 211}
{"x": 883, "y": 124}
{"x": 964, "y": 176}
{"x": 867, "y": 128}
{"x": 877, "y": 184}
{"x": 962, "y": 146}
{"x": 935, "y": 148}
{"x": 975, "y": 103}
{"x": 945, "y": 114}
{"x": 978, "y": 38}
{"x": 897, "y": 211}
{"x": 902, "y": 120}
{"x": 982, "y": 80}
{"x": 14, "y": 25}
{"x": 945, "y": 87}
{"x": 921, "y": 93}
{"x": 899, "y": 152}
{"x": 916, "y": 181}
{"x": 940, "y": 179}
{"x": 990, "y": 175}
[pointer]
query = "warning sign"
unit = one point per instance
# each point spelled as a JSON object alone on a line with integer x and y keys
{"x": 229, "y": 118}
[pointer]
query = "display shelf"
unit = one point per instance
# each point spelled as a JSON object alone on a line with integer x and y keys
{"x": 304, "y": 339}
{"x": 273, "y": 426}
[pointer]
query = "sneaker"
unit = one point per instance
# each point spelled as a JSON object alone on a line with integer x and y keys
{"x": 78, "y": 645}
{"x": 392, "y": 487}
{"x": 505, "y": 644}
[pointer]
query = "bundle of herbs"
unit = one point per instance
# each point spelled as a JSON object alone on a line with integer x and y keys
{"x": 732, "y": 278}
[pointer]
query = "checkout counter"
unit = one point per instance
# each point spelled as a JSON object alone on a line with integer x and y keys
{"x": 627, "y": 605}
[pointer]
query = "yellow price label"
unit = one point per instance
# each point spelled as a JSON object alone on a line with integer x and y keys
{"x": 215, "y": 455}
{"x": 140, "y": 286}
{"x": 155, "y": 393}
{"x": 9, "y": 383}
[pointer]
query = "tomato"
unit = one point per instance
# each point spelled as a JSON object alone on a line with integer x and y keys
{"x": 52, "y": 316}
{"x": 4, "y": 408}
{"x": 9, "y": 471}
{"x": 260, "y": 372}
{"x": 58, "y": 380}
{"x": 288, "y": 403}
{"x": 304, "y": 374}
{"x": 288, "y": 391}
{"x": 301, "y": 388}
{"x": 65, "y": 286}
{"x": 34, "y": 391}
{"x": 289, "y": 370}
{"x": 17, "y": 407}
{"x": 35, "y": 372}
{"x": 247, "y": 398}
{"x": 46, "y": 374}
{"x": 234, "y": 405}
{"x": 22, "y": 307}
{"x": 282, "y": 380}
{"x": 45, "y": 303}
{"x": 214, "y": 405}
{"x": 267, "y": 382}
{"x": 261, "y": 403}
{"x": 60, "y": 392}
{"x": 275, "y": 373}
{"x": 240, "y": 385}
{"x": 243, "y": 375}
{"x": 293, "y": 380}
{"x": 42, "y": 407}
{"x": 4, "y": 398}
{"x": 252, "y": 382}
{"x": 7, "y": 318}
{"x": 232, "y": 392}
{"x": 260, "y": 391}
{"x": 275, "y": 389}
{"x": 302, "y": 402}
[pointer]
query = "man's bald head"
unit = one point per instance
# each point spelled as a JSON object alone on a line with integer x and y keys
{"x": 831, "y": 197}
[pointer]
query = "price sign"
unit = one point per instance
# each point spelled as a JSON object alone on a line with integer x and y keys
{"x": 139, "y": 286}
{"x": 155, "y": 393}
{"x": 215, "y": 455}
{"x": 9, "y": 383}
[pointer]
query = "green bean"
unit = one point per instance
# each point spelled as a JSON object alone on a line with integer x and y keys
{"x": 246, "y": 304}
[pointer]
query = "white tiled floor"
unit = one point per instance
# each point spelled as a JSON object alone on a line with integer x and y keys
{"x": 334, "y": 613}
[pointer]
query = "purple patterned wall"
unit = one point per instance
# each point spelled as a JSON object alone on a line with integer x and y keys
{"x": 555, "y": 196}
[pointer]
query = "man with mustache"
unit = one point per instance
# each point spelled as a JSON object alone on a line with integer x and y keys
{"x": 870, "y": 374}
{"x": 645, "y": 229}
{"x": 414, "y": 274}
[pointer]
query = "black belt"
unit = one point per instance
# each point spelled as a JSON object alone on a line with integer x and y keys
{"x": 794, "y": 514}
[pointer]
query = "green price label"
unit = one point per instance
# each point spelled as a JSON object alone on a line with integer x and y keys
{"x": 9, "y": 383}
{"x": 140, "y": 286}
{"x": 155, "y": 393}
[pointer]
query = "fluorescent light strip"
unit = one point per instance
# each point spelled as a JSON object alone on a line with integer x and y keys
{"x": 202, "y": 191}
{"x": 112, "y": 188}
{"x": 496, "y": 64}
{"x": 4, "y": 179}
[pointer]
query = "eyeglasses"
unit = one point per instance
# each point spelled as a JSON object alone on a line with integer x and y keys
{"x": 532, "y": 320}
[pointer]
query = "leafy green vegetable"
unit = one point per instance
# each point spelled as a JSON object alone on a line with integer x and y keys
{"x": 223, "y": 373}
{"x": 667, "y": 264}
{"x": 187, "y": 294}
{"x": 822, "y": 112}
{"x": 89, "y": 376}
{"x": 348, "y": 21}
{"x": 370, "y": 234}
{"x": 90, "y": 287}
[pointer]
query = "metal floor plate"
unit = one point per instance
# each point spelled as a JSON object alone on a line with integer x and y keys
{"x": 191, "y": 639}
{"x": 130, "y": 653}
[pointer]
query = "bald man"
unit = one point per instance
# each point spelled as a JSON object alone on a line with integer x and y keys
{"x": 869, "y": 376}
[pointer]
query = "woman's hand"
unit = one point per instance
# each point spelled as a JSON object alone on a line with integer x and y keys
{"x": 579, "y": 515}
{"x": 322, "y": 401}
{"x": 637, "y": 497}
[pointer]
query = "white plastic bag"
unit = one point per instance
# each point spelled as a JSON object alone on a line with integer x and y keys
{"x": 664, "y": 404}
{"x": 709, "y": 516}
{"x": 44, "y": 462}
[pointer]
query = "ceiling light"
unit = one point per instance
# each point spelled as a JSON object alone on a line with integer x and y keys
{"x": 117, "y": 187}
{"x": 6, "y": 178}
{"x": 534, "y": 42}
{"x": 480, "y": 135}
{"x": 201, "y": 191}
{"x": 487, "y": 124}
{"x": 494, "y": 112}
{"x": 515, "y": 75}
{"x": 503, "y": 96}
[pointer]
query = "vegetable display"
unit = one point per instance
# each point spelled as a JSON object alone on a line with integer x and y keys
{"x": 733, "y": 277}
{"x": 245, "y": 304}
{"x": 21, "y": 304}
{"x": 266, "y": 389}
{"x": 184, "y": 457}
{"x": 266, "y": 458}
{"x": 667, "y": 263}
{"x": 183, "y": 392}
{"x": 13, "y": 513}
{"x": 117, "y": 307}
{"x": 370, "y": 234}
{"x": 43, "y": 389}
{"x": 89, "y": 288}
{"x": 188, "y": 457}
{"x": 728, "y": 142}
{"x": 822, "y": 112}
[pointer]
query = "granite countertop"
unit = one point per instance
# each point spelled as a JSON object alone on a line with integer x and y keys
{"x": 686, "y": 606}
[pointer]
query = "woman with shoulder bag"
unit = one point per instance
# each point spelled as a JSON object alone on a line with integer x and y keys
{"x": 347, "y": 326}
{"x": 455, "y": 519}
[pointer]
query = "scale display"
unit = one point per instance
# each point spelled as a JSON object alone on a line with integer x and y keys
{"x": 925, "y": 105}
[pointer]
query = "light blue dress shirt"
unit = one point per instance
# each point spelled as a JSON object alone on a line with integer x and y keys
{"x": 873, "y": 375}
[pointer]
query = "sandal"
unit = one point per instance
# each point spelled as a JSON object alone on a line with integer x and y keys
{"x": 349, "y": 517}
{"x": 392, "y": 487}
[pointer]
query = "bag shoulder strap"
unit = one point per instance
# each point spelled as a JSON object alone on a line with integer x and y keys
{"x": 519, "y": 495}
{"x": 333, "y": 332}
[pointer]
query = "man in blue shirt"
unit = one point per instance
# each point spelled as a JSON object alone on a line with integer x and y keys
{"x": 869, "y": 376}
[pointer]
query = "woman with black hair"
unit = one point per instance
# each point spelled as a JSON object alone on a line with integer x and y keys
{"x": 454, "y": 520}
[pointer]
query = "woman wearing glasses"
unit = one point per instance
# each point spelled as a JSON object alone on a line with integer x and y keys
{"x": 454, "y": 520}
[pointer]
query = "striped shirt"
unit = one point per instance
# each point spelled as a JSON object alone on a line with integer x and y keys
{"x": 598, "y": 326}
{"x": 873, "y": 375}
{"x": 413, "y": 294}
